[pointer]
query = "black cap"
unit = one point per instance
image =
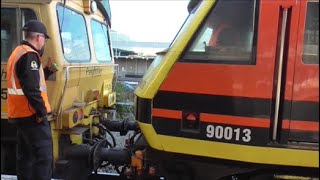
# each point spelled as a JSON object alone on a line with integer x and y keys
{"x": 35, "y": 26}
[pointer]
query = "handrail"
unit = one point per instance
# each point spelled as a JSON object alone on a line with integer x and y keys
{"x": 278, "y": 91}
{"x": 67, "y": 79}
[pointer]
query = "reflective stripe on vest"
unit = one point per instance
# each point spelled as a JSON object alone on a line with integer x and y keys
{"x": 18, "y": 105}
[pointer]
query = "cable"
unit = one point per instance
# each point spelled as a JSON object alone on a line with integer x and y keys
{"x": 109, "y": 132}
{"x": 104, "y": 129}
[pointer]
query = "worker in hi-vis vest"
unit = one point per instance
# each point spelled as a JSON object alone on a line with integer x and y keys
{"x": 28, "y": 104}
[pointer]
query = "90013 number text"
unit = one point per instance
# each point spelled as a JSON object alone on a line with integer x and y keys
{"x": 228, "y": 133}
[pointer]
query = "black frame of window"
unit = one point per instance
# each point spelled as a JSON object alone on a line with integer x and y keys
{"x": 303, "y": 60}
{"x": 18, "y": 23}
{"x": 109, "y": 41}
{"x": 203, "y": 23}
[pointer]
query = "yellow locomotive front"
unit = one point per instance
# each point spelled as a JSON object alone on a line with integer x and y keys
{"x": 81, "y": 92}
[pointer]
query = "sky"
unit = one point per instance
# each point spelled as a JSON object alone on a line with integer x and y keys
{"x": 148, "y": 20}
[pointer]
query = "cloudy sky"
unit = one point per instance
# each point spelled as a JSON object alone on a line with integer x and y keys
{"x": 148, "y": 20}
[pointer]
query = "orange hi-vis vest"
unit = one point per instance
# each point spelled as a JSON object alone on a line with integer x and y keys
{"x": 18, "y": 105}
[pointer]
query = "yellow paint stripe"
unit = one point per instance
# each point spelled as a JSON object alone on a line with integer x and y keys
{"x": 152, "y": 139}
{"x": 293, "y": 177}
{"x": 252, "y": 154}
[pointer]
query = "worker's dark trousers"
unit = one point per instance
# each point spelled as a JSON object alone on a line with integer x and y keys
{"x": 34, "y": 150}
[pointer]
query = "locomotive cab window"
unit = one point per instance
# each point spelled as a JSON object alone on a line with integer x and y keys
{"x": 100, "y": 41}
{"x": 74, "y": 39}
{"x": 11, "y": 25}
{"x": 227, "y": 34}
{"x": 311, "y": 35}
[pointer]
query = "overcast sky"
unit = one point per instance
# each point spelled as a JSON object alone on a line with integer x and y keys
{"x": 148, "y": 20}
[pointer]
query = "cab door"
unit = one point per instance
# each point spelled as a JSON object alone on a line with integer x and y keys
{"x": 304, "y": 116}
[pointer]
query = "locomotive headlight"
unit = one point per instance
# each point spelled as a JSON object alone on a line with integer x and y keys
{"x": 93, "y": 6}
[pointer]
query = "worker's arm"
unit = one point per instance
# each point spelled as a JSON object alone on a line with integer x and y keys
{"x": 27, "y": 70}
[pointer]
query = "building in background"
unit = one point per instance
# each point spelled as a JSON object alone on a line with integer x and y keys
{"x": 134, "y": 57}
{"x": 124, "y": 46}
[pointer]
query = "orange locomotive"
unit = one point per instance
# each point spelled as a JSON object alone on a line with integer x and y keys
{"x": 237, "y": 92}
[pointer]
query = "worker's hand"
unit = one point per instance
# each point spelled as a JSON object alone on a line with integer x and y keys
{"x": 53, "y": 67}
{"x": 41, "y": 120}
